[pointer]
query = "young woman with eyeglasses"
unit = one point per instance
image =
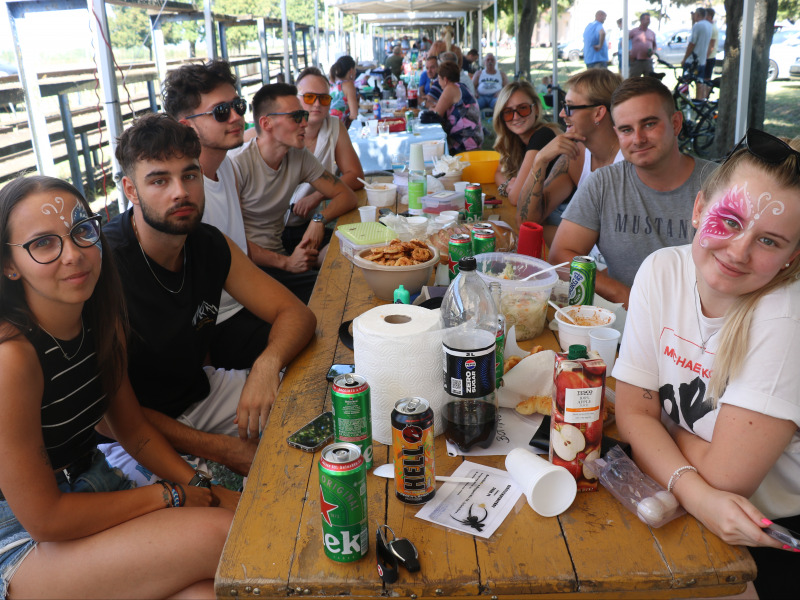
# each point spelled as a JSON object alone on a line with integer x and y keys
{"x": 344, "y": 104}
{"x": 521, "y": 133}
{"x": 71, "y": 526}
{"x": 327, "y": 139}
{"x": 588, "y": 144}
{"x": 707, "y": 376}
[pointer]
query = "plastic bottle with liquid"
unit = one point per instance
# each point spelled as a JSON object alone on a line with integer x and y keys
{"x": 496, "y": 290}
{"x": 417, "y": 180}
{"x": 400, "y": 91}
{"x": 470, "y": 321}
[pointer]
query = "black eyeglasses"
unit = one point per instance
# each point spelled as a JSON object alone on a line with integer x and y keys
{"x": 295, "y": 115}
{"x": 222, "y": 112}
{"x": 523, "y": 110}
{"x": 47, "y": 248}
{"x": 570, "y": 108}
{"x": 766, "y": 147}
{"x": 310, "y": 97}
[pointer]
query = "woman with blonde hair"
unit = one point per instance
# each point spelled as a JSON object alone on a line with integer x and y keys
{"x": 588, "y": 144}
{"x": 521, "y": 133}
{"x": 707, "y": 377}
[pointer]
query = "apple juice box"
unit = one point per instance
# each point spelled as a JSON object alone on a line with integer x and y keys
{"x": 576, "y": 423}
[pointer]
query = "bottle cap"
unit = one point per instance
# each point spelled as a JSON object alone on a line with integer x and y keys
{"x": 416, "y": 160}
{"x": 401, "y": 295}
{"x": 575, "y": 350}
{"x": 468, "y": 263}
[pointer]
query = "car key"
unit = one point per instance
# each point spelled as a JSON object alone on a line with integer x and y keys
{"x": 406, "y": 553}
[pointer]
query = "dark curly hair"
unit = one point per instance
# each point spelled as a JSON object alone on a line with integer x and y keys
{"x": 264, "y": 99}
{"x": 155, "y": 136}
{"x": 183, "y": 86}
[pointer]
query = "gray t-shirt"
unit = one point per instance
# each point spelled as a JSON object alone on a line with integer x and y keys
{"x": 701, "y": 36}
{"x": 633, "y": 220}
{"x": 265, "y": 192}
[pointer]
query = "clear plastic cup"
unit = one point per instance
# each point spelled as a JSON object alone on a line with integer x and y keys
{"x": 605, "y": 341}
{"x": 367, "y": 213}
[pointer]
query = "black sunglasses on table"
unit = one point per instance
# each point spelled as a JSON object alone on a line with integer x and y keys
{"x": 296, "y": 115}
{"x": 45, "y": 249}
{"x": 222, "y": 112}
{"x": 766, "y": 147}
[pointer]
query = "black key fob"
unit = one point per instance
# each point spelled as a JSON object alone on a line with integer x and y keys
{"x": 387, "y": 561}
{"x": 406, "y": 553}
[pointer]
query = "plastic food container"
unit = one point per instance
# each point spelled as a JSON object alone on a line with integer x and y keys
{"x": 482, "y": 166}
{"x": 381, "y": 194}
{"x": 439, "y": 201}
{"x": 356, "y": 237}
{"x": 523, "y": 303}
{"x": 588, "y": 318}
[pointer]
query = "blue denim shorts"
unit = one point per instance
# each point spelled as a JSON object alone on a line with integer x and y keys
{"x": 16, "y": 542}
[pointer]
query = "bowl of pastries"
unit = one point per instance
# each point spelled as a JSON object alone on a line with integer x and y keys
{"x": 387, "y": 267}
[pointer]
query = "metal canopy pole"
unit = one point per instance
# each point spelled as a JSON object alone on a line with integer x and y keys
{"x": 554, "y": 46}
{"x": 625, "y": 63}
{"x": 285, "y": 27}
{"x": 29, "y": 79}
{"x": 516, "y": 40}
{"x": 159, "y": 54}
{"x": 316, "y": 33}
{"x": 496, "y": 39}
{"x": 480, "y": 34}
{"x": 263, "y": 49}
{"x": 745, "y": 57}
{"x": 211, "y": 31}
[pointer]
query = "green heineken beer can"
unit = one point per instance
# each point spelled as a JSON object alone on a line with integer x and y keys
{"x": 352, "y": 419}
{"x": 473, "y": 202}
{"x": 459, "y": 246}
{"x": 582, "y": 273}
{"x": 343, "y": 502}
{"x": 483, "y": 240}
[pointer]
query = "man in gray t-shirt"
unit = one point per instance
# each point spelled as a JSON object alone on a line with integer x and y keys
{"x": 633, "y": 208}
{"x": 699, "y": 39}
{"x": 269, "y": 168}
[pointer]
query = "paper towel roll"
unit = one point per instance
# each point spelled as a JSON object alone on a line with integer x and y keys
{"x": 398, "y": 349}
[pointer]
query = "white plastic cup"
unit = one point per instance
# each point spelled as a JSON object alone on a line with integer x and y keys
{"x": 450, "y": 214}
{"x": 549, "y": 489}
{"x": 605, "y": 341}
{"x": 367, "y": 213}
{"x": 416, "y": 161}
{"x": 373, "y": 126}
{"x": 417, "y": 227}
{"x": 460, "y": 186}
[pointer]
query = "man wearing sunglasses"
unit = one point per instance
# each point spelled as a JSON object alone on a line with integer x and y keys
{"x": 204, "y": 97}
{"x": 270, "y": 167}
{"x": 173, "y": 270}
{"x": 634, "y": 207}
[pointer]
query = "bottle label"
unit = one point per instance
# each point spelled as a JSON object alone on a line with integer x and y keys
{"x": 469, "y": 373}
{"x": 416, "y": 190}
{"x": 582, "y": 405}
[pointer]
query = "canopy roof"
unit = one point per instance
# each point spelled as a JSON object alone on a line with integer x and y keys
{"x": 410, "y": 17}
{"x": 395, "y": 6}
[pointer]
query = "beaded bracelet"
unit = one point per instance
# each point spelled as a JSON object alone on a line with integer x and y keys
{"x": 176, "y": 499}
{"x": 181, "y": 493}
{"x": 677, "y": 475}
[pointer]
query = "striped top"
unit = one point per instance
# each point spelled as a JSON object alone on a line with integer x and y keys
{"x": 73, "y": 401}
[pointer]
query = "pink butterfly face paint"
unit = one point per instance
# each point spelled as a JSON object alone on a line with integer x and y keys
{"x": 734, "y": 214}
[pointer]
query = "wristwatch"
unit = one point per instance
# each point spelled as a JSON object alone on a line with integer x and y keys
{"x": 318, "y": 218}
{"x": 201, "y": 479}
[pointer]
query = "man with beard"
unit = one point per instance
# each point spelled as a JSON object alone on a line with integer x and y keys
{"x": 173, "y": 270}
{"x": 204, "y": 97}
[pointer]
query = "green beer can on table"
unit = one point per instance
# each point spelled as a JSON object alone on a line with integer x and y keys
{"x": 352, "y": 417}
{"x": 343, "y": 502}
{"x": 582, "y": 274}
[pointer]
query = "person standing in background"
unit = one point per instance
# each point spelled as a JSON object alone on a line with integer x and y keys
{"x": 643, "y": 44}
{"x": 488, "y": 82}
{"x": 344, "y": 103}
{"x": 595, "y": 49}
{"x": 711, "y": 57}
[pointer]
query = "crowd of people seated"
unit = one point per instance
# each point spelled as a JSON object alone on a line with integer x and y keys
{"x": 167, "y": 329}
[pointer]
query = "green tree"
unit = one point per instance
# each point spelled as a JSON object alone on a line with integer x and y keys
{"x": 130, "y": 28}
{"x": 789, "y": 9}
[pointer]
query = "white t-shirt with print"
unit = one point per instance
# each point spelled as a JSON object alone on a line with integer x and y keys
{"x": 662, "y": 350}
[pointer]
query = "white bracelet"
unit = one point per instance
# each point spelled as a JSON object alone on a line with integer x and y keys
{"x": 677, "y": 475}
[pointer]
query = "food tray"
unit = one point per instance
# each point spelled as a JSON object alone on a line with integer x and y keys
{"x": 355, "y": 237}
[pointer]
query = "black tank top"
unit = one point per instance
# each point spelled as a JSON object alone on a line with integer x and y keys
{"x": 74, "y": 400}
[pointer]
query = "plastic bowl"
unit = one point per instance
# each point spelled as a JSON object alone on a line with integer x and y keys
{"x": 382, "y": 197}
{"x": 432, "y": 149}
{"x": 523, "y": 303}
{"x": 482, "y": 166}
{"x": 384, "y": 280}
{"x": 595, "y": 317}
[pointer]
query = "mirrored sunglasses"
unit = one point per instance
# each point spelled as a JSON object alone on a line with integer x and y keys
{"x": 523, "y": 110}
{"x": 222, "y": 112}
{"x": 767, "y": 147}
{"x": 309, "y": 98}
{"x": 47, "y": 248}
{"x": 296, "y": 115}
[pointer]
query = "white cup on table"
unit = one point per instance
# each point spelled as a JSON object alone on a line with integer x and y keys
{"x": 604, "y": 341}
{"x": 549, "y": 489}
{"x": 367, "y": 213}
{"x": 460, "y": 186}
{"x": 373, "y": 126}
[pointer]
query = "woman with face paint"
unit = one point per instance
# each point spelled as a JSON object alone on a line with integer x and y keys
{"x": 69, "y": 525}
{"x": 708, "y": 377}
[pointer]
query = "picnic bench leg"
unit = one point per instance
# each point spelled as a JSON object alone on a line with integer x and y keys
{"x": 69, "y": 139}
{"x": 88, "y": 163}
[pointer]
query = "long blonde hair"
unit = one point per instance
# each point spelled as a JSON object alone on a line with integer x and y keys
{"x": 508, "y": 143}
{"x": 736, "y": 329}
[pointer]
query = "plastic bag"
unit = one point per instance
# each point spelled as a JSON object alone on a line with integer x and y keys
{"x": 638, "y": 492}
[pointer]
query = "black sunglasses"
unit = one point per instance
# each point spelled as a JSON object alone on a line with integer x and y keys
{"x": 295, "y": 115}
{"x": 222, "y": 112}
{"x": 570, "y": 108}
{"x": 766, "y": 147}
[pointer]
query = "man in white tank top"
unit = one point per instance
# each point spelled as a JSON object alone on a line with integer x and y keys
{"x": 488, "y": 82}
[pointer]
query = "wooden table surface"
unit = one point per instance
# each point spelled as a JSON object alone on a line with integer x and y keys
{"x": 596, "y": 548}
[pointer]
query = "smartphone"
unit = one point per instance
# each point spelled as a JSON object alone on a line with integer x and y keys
{"x": 787, "y": 536}
{"x": 339, "y": 369}
{"x": 313, "y": 435}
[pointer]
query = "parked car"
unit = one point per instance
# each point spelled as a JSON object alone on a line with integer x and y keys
{"x": 794, "y": 70}
{"x": 671, "y": 46}
{"x": 572, "y": 51}
{"x": 7, "y": 69}
{"x": 783, "y": 53}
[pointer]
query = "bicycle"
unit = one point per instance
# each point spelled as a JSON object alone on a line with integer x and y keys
{"x": 699, "y": 116}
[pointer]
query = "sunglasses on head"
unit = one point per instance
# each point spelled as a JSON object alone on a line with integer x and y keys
{"x": 570, "y": 108}
{"x": 523, "y": 110}
{"x": 766, "y": 147}
{"x": 310, "y": 97}
{"x": 296, "y": 115}
{"x": 222, "y": 112}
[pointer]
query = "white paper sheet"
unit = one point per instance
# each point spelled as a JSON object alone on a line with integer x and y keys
{"x": 484, "y": 504}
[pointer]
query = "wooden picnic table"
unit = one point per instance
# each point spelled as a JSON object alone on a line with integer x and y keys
{"x": 595, "y": 549}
